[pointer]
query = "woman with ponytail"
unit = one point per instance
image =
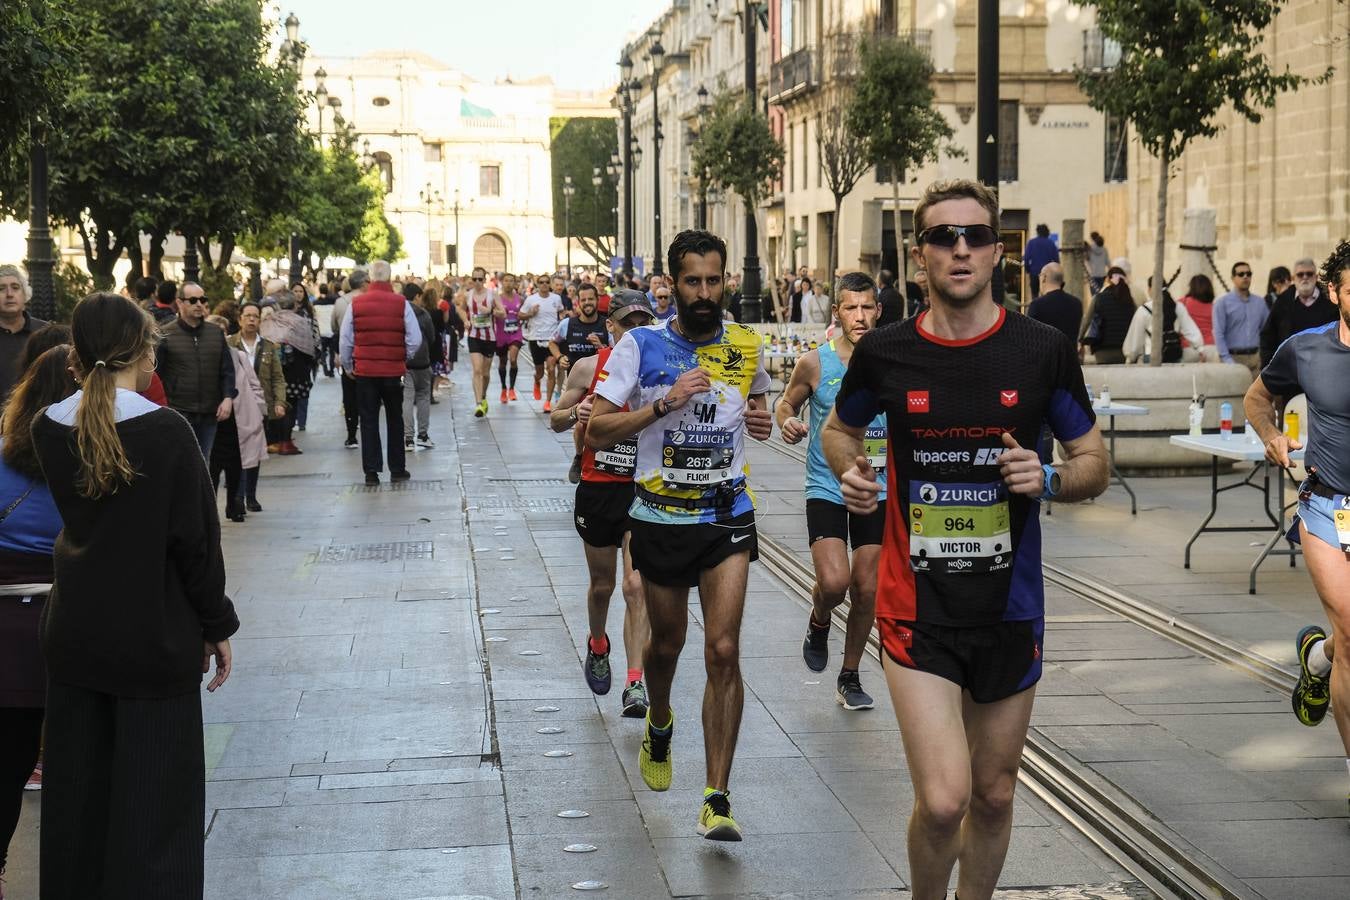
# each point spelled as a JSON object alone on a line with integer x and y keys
{"x": 136, "y": 612}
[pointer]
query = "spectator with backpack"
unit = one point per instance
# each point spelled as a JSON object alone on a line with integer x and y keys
{"x": 1177, "y": 323}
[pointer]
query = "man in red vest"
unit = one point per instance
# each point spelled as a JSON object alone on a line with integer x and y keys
{"x": 379, "y": 335}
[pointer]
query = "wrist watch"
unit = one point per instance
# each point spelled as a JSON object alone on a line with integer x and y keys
{"x": 1052, "y": 482}
{"x": 573, "y": 417}
{"x": 659, "y": 407}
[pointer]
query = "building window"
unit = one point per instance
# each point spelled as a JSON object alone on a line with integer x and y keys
{"x": 883, "y": 171}
{"x": 1009, "y": 119}
{"x": 489, "y": 181}
{"x": 1117, "y": 149}
{"x": 385, "y": 163}
{"x": 435, "y": 253}
{"x": 820, "y": 161}
{"x": 431, "y": 152}
{"x": 788, "y": 160}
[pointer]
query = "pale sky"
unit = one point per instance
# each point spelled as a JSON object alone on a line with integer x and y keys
{"x": 577, "y": 42}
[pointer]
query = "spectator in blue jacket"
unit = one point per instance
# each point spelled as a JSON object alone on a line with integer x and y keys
{"x": 1039, "y": 251}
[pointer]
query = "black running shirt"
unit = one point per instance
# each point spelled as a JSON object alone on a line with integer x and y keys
{"x": 960, "y": 550}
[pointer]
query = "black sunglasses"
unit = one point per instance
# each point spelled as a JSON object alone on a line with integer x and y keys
{"x": 948, "y": 235}
{"x": 1305, "y": 274}
{"x": 201, "y": 300}
{"x": 1242, "y": 274}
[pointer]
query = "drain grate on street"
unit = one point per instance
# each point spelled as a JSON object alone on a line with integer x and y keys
{"x": 389, "y": 551}
{"x": 397, "y": 487}
{"x": 532, "y": 482}
{"x": 529, "y": 505}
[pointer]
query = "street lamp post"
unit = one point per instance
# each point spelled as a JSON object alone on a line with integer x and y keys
{"x": 704, "y": 104}
{"x": 657, "y": 55}
{"x": 429, "y": 198}
{"x": 455, "y": 271}
{"x": 567, "y": 191}
{"x": 626, "y": 105}
{"x": 293, "y": 53}
{"x": 321, "y": 96}
{"x": 750, "y": 287}
{"x": 41, "y": 251}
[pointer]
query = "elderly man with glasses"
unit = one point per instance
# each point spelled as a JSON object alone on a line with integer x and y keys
{"x": 1308, "y": 305}
{"x": 195, "y": 367}
{"x": 1239, "y": 316}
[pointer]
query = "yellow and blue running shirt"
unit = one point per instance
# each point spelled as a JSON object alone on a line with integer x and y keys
{"x": 697, "y": 452}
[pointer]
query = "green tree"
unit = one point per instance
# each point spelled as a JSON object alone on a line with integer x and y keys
{"x": 324, "y": 205}
{"x": 579, "y": 147}
{"x": 737, "y": 149}
{"x": 379, "y": 239}
{"x": 170, "y": 118}
{"x": 37, "y": 43}
{"x": 1180, "y": 64}
{"x": 891, "y": 113}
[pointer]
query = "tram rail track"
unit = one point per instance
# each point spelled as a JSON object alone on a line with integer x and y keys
{"x": 1104, "y": 815}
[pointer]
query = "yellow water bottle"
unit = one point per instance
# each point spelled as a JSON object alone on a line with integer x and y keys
{"x": 1291, "y": 424}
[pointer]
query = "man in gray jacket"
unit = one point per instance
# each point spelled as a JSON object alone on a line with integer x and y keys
{"x": 357, "y": 282}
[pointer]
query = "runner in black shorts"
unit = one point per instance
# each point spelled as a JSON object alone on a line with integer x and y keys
{"x": 960, "y": 599}
{"x": 695, "y": 387}
{"x": 576, "y": 338}
{"x": 830, "y": 527}
{"x": 604, "y": 495}
{"x": 478, "y": 307}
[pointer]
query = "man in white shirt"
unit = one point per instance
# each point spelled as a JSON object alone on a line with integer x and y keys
{"x": 540, "y": 312}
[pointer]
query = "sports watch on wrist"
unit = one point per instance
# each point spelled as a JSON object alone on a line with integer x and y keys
{"x": 1052, "y": 482}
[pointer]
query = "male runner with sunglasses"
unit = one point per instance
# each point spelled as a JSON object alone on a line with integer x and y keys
{"x": 960, "y": 600}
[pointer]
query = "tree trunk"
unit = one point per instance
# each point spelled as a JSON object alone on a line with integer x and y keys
{"x": 101, "y": 253}
{"x": 1159, "y": 250}
{"x": 900, "y": 264}
{"x": 226, "y": 252}
{"x": 157, "y": 254}
{"x": 134, "y": 255}
{"x": 832, "y": 274}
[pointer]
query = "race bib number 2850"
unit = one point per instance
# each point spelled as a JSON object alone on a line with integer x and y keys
{"x": 959, "y": 529}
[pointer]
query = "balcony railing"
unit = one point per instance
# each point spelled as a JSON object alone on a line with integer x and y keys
{"x": 843, "y": 48}
{"x": 792, "y": 75}
{"x": 1099, "y": 52}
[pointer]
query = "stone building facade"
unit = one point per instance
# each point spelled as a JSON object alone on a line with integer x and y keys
{"x": 1280, "y": 188}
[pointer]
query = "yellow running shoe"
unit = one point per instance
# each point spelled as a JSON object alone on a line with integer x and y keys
{"x": 714, "y": 820}
{"x": 654, "y": 757}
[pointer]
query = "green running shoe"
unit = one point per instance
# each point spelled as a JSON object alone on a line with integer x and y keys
{"x": 654, "y": 757}
{"x": 1312, "y": 694}
{"x": 714, "y": 819}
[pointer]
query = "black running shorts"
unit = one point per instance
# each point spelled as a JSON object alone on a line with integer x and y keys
{"x": 676, "y": 555}
{"x": 539, "y": 352}
{"x": 827, "y": 519}
{"x": 601, "y": 512}
{"x": 993, "y": 662}
{"x": 482, "y": 347}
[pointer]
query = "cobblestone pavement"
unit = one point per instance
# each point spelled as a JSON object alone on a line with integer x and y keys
{"x": 409, "y": 669}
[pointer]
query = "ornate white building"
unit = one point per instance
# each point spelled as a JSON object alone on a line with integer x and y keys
{"x": 466, "y": 164}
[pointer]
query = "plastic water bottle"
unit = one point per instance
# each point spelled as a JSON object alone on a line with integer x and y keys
{"x": 1091, "y": 399}
{"x": 1106, "y": 394}
{"x": 1226, "y": 420}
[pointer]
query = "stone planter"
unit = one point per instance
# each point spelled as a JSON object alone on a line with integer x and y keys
{"x": 1142, "y": 441}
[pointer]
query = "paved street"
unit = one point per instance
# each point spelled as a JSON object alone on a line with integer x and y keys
{"x": 410, "y": 655}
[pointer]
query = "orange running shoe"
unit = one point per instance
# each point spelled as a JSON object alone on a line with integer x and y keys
{"x": 537, "y": 395}
{"x": 503, "y": 395}
{"x": 512, "y": 394}
{"x": 548, "y": 407}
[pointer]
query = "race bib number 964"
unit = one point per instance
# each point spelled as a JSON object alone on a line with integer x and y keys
{"x": 958, "y": 529}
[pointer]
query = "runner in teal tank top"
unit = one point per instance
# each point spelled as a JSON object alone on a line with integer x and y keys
{"x": 830, "y": 527}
